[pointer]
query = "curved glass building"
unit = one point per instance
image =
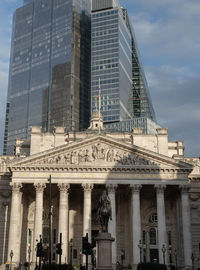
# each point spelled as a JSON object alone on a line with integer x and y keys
{"x": 116, "y": 63}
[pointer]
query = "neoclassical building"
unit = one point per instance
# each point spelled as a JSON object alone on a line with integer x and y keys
{"x": 154, "y": 192}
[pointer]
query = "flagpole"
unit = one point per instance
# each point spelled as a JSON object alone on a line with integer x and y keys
{"x": 99, "y": 103}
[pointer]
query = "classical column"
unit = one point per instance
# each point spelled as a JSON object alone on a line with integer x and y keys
{"x": 5, "y": 206}
{"x": 15, "y": 218}
{"x": 136, "y": 222}
{"x": 87, "y": 214}
{"x": 186, "y": 219}
{"x": 112, "y": 223}
{"x": 63, "y": 220}
{"x": 39, "y": 187}
{"x": 87, "y": 210}
{"x": 162, "y": 232}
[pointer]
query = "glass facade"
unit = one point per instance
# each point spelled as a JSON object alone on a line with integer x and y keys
{"x": 27, "y": 1}
{"x": 115, "y": 61}
{"x": 49, "y": 82}
{"x": 148, "y": 125}
{"x": 111, "y": 54}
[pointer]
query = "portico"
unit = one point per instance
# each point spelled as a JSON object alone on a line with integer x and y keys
{"x": 147, "y": 186}
{"x": 136, "y": 183}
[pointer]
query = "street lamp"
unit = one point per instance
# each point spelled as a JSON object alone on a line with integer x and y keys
{"x": 11, "y": 256}
{"x": 36, "y": 254}
{"x": 29, "y": 257}
{"x": 140, "y": 247}
{"x": 70, "y": 244}
{"x": 175, "y": 255}
{"x": 163, "y": 251}
{"x": 122, "y": 256}
{"x": 192, "y": 258}
{"x": 170, "y": 255}
{"x": 80, "y": 256}
{"x": 50, "y": 220}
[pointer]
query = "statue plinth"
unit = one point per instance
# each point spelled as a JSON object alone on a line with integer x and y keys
{"x": 104, "y": 251}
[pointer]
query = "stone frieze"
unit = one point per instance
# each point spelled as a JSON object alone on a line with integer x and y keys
{"x": 96, "y": 153}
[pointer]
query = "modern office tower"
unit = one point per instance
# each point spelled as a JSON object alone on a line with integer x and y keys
{"x": 49, "y": 81}
{"x": 147, "y": 125}
{"x": 115, "y": 62}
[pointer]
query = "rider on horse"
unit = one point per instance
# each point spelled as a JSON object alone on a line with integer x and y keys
{"x": 104, "y": 211}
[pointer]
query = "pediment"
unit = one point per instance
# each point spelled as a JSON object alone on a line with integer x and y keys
{"x": 100, "y": 151}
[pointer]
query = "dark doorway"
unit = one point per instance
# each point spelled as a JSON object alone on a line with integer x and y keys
{"x": 154, "y": 255}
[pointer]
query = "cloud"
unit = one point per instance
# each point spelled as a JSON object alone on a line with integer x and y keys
{"x": 176, "y": 102}
{"x": 168, "y": 30}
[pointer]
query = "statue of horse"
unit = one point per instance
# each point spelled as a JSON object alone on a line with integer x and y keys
{"x": 104, "y": 211}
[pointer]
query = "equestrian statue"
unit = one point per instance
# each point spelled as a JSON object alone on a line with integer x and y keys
{"x": 104, "y": 211}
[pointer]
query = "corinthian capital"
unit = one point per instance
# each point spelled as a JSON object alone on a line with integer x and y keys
{"x": 111, "y": 188}
{"x": 135, "y": 187}
{"x": 184, "y": 188}
{"x": 16, "y": 186}
{"x": 64, "y": 187}
{"x": 87, "y": 187}
{"x": 39, "y": 187}
{"x": 160, "y": 188}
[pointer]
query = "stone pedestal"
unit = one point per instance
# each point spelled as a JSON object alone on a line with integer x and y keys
{"x": 104, "y": 251}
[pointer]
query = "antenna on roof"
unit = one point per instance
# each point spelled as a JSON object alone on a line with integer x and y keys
{"x": 99, "y": 104}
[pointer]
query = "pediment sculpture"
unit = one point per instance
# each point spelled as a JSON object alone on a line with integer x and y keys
{"x": 96, "y": 153}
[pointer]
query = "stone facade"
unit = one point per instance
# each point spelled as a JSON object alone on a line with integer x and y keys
{"x": 154, "y": 190}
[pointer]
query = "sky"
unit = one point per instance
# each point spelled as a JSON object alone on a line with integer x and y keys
{"x": 167, "y": 33}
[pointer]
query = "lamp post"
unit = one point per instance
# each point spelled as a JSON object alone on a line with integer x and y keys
{"x": 170, "y": 255}
{"x": 140, "y": 247}
{"x": 175, "y": 255}
{"x": 122, "y": 256}
{"x": 50, "y": 220}
{"x": 192, "y": 258}
{"x": 163, "y": 251}
{"x": 36, "y": 254}
{"x": 71, "y": 244}
{"x": 11, "y": 256}
{"x": 80, "y": 256}
{"x": 29, "y": 257}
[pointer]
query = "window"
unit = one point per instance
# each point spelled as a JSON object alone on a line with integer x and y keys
{"x": 153, "y": 218}
{"x": 29, "y": 236}
{"x": 144, "y": 237}
{"x": 152, "y": 235}
{"x": 169, "y": 238}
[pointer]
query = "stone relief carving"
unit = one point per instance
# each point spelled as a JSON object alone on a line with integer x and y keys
{"x": 4, "y": 162}
{"x": 95, "y": 153}
{"x": 197, "y": 164}
{"x": 195, "y": 204}
{"x": 194, "y": 197}
{"x": 3, "y": 165}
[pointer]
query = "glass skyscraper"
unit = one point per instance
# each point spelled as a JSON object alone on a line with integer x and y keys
{"x": 115, "y": 62}
{"x": 57, "y": 61}
{"x": 49, "y": 81}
